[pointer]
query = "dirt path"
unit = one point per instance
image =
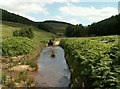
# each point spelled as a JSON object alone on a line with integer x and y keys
{"x": 56, "y": 43}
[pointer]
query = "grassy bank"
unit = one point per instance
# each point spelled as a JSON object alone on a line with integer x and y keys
{"x": 19, "y": 51}
{"x": 94, "y": 61}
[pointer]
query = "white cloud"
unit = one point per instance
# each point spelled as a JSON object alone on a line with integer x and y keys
{"x": 74, "y": 21}
{"x": 27, "y": 7}
{"x": 58, "y": 17}
{"x": 90, "y": 13}
{"x": 61, "y": 18}
{"x": 23, "y": 7}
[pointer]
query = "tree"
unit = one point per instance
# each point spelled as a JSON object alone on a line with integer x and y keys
{"x": 26, "y": 32}
{"x": 69, "y": 30}
{"x": 45, "y": 27}
{"x": 75, "y": 31}
{"x": 110, "y": 26}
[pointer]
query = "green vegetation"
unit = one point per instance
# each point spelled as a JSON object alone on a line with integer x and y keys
{"x": 53, "y": 27}
{"x": 45, "y": 27}
{"x": 94, "y": 61}
{"x": 7, "y": 16}
{"x": 75, "y": 31}
{"x": 108, "y": 26}
{"x": 16, "y": 46}
{"x": 13, "y": 46}
{"x": 20, "y": 51}
{"x": 26, "y": 32}
{"x": 58, "y": 27}
{"x": 50, "y": 26}
{"x": 9, "y": 27}
{"x": 105, "y": 27}
{"x": 7, "y": 31}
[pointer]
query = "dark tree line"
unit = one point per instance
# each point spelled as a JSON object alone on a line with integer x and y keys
{"x": 75, "y": 31}
{"x": 53, "y": 21}
{"x": 45, "y": 27}
{"x": 110, "y": 26}
{"x": 7, "y": 16}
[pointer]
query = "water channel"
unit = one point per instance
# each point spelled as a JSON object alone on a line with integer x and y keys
{"x": 53, "y": 71}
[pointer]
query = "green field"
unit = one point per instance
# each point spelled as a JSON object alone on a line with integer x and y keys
{"x": 94, "y": 61}
{"x": 9, "y": 27}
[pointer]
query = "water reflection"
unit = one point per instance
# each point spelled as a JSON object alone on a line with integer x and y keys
{"x": 53, "y": 72}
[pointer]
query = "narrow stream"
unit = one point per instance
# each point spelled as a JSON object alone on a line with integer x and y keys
{"x": 53, "y": 71}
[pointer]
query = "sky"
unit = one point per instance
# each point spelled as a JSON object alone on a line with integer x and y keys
{"x": 83, "y": 12}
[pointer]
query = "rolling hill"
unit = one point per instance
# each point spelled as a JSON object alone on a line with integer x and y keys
{"x": 9, "y": 27}
{"x": 50, "y": 26}
{"x": 109, "y": 26}
{"x": 57, "y": 26}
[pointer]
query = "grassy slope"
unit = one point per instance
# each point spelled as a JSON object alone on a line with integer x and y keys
{"x": 59, "y": 27}
{"x": 9, "y": 27}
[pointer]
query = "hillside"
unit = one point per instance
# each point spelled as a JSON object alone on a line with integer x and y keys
{"x": 109, "y": 26}
{"x": 57, "y": 26}
{"x": 8, "y": 16}
{"x": 9, "y": 27}
{"x": 50, "y": 26}
{"x": 7, "y": 34}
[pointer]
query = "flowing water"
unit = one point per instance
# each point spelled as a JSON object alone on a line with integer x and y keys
{"x": 53, "y": 71}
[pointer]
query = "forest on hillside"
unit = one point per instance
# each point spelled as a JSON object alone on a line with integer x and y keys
{"x": 45, "y": 25}
{"x": 109, "y": 26}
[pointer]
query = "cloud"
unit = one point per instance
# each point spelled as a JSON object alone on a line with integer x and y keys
{"x": 90, "y": 13}
{"x": 23, "y": 7}
{"x": 61, "y": 18}
{"x": 32, "y": 8}
{"x": 75, "y": 21}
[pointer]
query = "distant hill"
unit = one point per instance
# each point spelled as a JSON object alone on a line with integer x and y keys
{"x": 8, "y": 16}
{"x": 109, "y": 26}
{"x": 56, "y": 26}
{"x": 53, "y": 21}
{"x": 50, "y": 25}
{"x": 9, "y": 27}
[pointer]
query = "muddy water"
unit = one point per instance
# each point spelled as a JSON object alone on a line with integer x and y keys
{"x": 53, "y": 72}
